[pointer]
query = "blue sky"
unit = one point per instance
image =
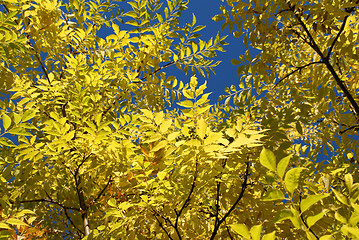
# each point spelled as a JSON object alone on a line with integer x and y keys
{"x": 225, "y": 72}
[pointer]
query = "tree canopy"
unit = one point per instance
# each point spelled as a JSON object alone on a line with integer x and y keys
{"x": 99, "y": 141}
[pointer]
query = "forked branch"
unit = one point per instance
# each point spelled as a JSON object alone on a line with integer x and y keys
{"x": 240, "y": 196}
{"x": 326, "y": 59}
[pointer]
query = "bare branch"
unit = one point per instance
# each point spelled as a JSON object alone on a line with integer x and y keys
{"x": 355, "y": 127}
{"x": 157, "y": 70}
{"x": 311, "y": 42}
{"x": 188, "y": 199}
{"x": 229, "y": 233}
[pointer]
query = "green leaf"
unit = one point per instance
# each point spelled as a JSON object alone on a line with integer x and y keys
{"x": 6, "y": 121}
{"x": 292, "y": 178}
{"x": 241, "y": 229}
{"x": 29, "y": 114}
{"x": 267, "y": 159}
{"x": 310, "y": 235}
{"x": 235, "y": 62}
{"x": 309, "y": 201}
{"x": 161, "y": 175}
{"x": 19, "y": 131}
{"x": 112, "y": 202}
{"x": 194, "y": 20}
{"x": 348, "y": 181}
{"x": 282, "y": 165}
{"x": 273, "y": 194}
{"x": 343, "y": 199}
{"x": 201, "y": 128}
{"x": 340, "y": 218}
{"x": 327, "y": 237}
{"x": 282, "y": 215}
{"x": 186, "y": 103}
{"x": 311, "y": 220}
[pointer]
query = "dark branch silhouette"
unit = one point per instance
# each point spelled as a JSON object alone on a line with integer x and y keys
{"x": 294, "y": 71}
{"x": 326, "y": 61}
{"x": 244, "y": 186}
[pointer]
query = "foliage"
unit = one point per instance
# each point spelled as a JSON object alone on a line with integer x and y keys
{"x": 99, "y": 142}
{"x": 302, "y": 87}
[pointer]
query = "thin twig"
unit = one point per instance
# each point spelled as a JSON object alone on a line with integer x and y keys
{"x": 229, "y": 233}
{"x": 103, "y": 190}
{"x": 326, "y": 61}
{"x": 82, "y": 162}
{"x": 157, "y": 70}
{"x": 337, "y": 37}
{"x": 72, "y": 223}
{"x": 356, "y": 127}
{"x": 50, "y": 201}
{"x": 302, "y": 218}
{"x": 188, "y": 199}
{"x": 161, "y": 225}
{"x": 294, "y": 71}
{"x": 244, "y": 186}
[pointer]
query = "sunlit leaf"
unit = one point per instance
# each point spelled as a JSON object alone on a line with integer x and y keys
{"x": 267, "y": 159}
{"x": 292, "y": 178}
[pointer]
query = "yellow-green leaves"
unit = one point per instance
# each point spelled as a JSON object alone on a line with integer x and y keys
{"x": 292, "y": 179}
{"x": 6, "y": 121}
{"x": 268, "y": 160}
{"x": 273, "y": 194}
{"x": 311, "y": 220}
{"x": 254, "y": 233}
{"x": 201, "y": 128}
{"x": 282, "y": 165}
{"x": 242, "y": 230}
{"x": 340, "y": 196}
{"x": 309, "y": 201}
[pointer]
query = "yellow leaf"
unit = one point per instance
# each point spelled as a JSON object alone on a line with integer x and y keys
{"x": 17, "y": 222}
{"x": 241, "y": 229}
{"x": 6, "y": 121}
{"x": 201, "y": 128}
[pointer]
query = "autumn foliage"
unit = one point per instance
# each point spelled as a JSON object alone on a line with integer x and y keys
{"x": 99, "y": 141}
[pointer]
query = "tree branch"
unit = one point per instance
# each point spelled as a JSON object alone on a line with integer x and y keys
{"x": 157, "y": 70}
{"x": 337, "y": 37}
{"x": 185, "y": 204}
{"x": 244, "y": 186}
{"x": 161, "y": 225}
{"x": 302, "y": 218}
{"x": 311, "y": 42}
{"x": 49, "y": 201}
{"x": 82, "y": 162}
{"x": 72, "y": 223}
{"x": 355, "y": 127}
{"x": 229, "y": 233}
{"x": 294, "y": 71}
{"x": 102, "y": 191}
{"x": 83, "y": 206}
{"x": 326, "y": 61}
